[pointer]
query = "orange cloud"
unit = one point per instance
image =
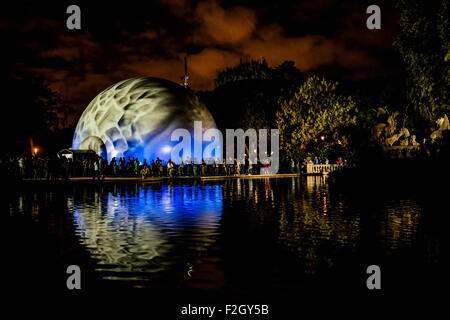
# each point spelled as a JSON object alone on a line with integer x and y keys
{"x": 204, "y": 66}
{"x": 308, "y": 52}
{"x": 222, "y": 26}
{"x": 73, "y": 46}
{"x": 219, "y": 38}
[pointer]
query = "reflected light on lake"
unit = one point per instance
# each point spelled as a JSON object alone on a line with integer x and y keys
{"x": 135, "y": 231}
{"x": 216, "y": 234}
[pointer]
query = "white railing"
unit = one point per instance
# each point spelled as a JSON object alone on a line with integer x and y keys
{"x": 322, "y": 168}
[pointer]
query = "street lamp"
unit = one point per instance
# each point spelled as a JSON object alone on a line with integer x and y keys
{"x": 322, "y": 138}
{"x": 35, "y": 151}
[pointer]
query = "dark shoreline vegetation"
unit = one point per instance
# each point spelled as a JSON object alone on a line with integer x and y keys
{"x": 400, "y": 176}
{"x": 377, "y": 173}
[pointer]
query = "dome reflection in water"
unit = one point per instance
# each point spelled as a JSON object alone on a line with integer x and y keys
{"x": 138, "y": 232}
{"x": 243, "y": 230}
{"x": 258, "y": 236}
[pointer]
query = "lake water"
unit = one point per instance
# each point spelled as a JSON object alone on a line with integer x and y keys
{"x": 260, "y": 238}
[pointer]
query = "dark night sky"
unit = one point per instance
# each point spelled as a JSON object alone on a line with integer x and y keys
{"x": 131, "y": 38}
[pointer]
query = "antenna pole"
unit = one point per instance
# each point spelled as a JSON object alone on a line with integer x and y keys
{"x": 185, "y": 73}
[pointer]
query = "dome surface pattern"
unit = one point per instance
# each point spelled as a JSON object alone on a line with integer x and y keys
{"x": 136, "y": 117}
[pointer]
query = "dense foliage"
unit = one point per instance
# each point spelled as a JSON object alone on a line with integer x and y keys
{"x": 424, "y": 45}
{"x": 316, "y": 108}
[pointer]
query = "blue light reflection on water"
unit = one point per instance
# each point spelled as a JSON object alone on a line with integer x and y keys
{"x": 234, "y": 233}
{"x": 133, "y": 231}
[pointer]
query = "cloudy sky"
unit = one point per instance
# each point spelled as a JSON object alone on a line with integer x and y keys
{"x": 119, "y": 40}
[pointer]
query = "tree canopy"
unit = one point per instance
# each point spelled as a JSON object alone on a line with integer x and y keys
{"x": 424, "y": 45}
{"x": 315, "y": 108}
{"x": 253, "y": 69}
{"x": 246, "y": 95}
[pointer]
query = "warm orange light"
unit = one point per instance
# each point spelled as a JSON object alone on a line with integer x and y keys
{"x": 35, "y": 151}
{"x": 322, "y": 138}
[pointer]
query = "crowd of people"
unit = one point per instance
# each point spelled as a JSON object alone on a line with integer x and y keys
{"x": 98, "y": 168}
{"x": 317, "y": 160}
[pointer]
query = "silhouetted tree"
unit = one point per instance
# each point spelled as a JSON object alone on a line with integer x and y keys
{"x": 424, "y": 44}
{"x": 246, "y": 96}
{"x": 30, "y": 110}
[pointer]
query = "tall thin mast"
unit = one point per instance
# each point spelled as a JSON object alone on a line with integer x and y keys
{"x": 185, "y": 73}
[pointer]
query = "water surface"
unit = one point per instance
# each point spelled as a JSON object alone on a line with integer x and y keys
{"x": 289, "y": 236}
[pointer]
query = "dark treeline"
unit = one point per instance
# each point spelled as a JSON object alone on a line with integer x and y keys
{"x": 32, "y": 114}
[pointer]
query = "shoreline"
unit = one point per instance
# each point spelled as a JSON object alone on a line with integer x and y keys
{"x": 90, "y": 180}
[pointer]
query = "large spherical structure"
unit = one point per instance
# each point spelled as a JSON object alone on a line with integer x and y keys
{"x": 136, "y": 117}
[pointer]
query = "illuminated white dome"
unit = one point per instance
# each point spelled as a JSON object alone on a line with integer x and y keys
{"x": 136, "y": 117}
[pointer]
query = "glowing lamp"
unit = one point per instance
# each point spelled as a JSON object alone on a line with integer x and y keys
{"x": 166, "y": 149}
